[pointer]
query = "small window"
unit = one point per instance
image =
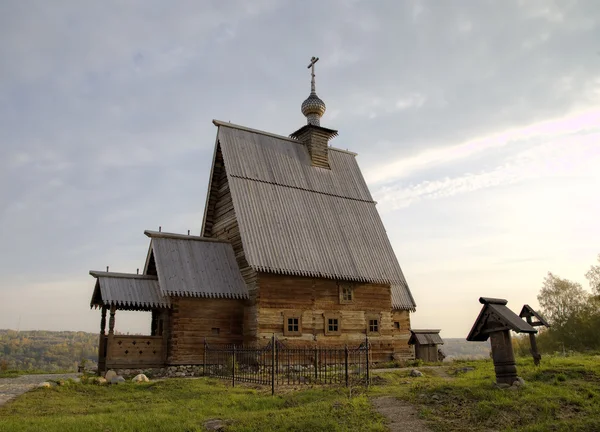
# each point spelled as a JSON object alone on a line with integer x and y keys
{"x": 292, "y": 323}
{"x": 346, "y": 293}
{"x": 332, "y": 325}
{"x": 373, "y": 323}
{"x": 396, "y": 325}
{"x": 215, "y": 331}
{"x": 373, "y": 326}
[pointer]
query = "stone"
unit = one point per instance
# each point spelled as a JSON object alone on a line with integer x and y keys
{"x": 117, "y": 380}
{"x": 502, "y": 386}
{"x": 214, "y": 425}
{"x": 45, "y": 384}
{"x": 110, "y": 375}
{"x": 140, "y": 378}
{"x": 100, "y": 381}
{"x": 76, "y": 380}
{"x": 180, "y": 374}
{"x": 416, "y": 373}
{"x": 519, "y": 382}
{"x": 435, "y": 397}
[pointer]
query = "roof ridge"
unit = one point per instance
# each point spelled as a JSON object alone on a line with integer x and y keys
{"x": 273, "y": 135}
{"x": 303, "y": 189}
{"x": 162, "y": 234}
{"x": 100, "y": 273}
{"x": 247, "y": 129}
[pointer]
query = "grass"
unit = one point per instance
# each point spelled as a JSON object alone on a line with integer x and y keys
{"x": 184, "y": 405}
{"x": 561, "y": 395}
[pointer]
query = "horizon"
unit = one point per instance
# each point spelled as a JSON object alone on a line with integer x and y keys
{"x": 477, "y": 129}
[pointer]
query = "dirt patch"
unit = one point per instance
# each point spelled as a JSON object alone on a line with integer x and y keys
{"x": 402, "y": 416}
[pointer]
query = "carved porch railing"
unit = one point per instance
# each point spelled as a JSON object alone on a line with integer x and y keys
{"x": 134, "y": 351}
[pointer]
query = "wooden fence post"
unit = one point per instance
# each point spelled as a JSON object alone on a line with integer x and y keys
{"x": 346, "y": 363}
{"x": 273, "y": 352}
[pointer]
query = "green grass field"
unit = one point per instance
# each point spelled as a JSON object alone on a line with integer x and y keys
{"x": 561, "y": 395}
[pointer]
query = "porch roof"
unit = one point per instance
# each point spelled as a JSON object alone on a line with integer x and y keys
{"x": 127, "y": 291}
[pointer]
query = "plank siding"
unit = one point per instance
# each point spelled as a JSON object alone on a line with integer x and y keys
{"x": 221, "y": 223}
{"x": 192, "y": 320}
{"x": 312, "y": 299}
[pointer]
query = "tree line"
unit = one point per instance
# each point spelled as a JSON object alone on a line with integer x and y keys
{"x": 46, "y": 350}
{"x": 572, "y": 312}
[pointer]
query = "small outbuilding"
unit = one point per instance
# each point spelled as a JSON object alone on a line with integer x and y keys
{"x": 426, "y": 344}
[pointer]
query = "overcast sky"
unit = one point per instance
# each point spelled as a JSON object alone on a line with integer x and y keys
{"x": 477, "y": 126}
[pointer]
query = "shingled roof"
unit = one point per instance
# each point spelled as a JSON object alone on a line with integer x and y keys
{"x": 425, "y": 337}
{"x": 192, "y": 266}
{"x": 127, "y": 291}
{"x": 495, "y": 316}
{"x": 298, "y": 219}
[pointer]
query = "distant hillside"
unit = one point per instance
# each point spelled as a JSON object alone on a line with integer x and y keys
{"x": 46, "y": 350}
{"x": 458, "y": 348}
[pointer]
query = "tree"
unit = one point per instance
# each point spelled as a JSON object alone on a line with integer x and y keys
{"x": 561, "y": 300}
{"x": 593, "y": 277}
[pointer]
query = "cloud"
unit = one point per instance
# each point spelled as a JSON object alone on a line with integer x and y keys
{"x": 105, "y": 116}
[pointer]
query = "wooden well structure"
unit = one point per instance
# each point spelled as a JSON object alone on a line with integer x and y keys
{"x": 496, "y": 321}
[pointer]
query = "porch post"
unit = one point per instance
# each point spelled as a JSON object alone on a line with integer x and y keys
{"x": 103, "y": 321}
{"x": 102, "y": 344}
{"x": 111, "y": 321}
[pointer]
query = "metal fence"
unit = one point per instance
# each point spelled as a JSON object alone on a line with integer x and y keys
{"x": 276, "y": 364}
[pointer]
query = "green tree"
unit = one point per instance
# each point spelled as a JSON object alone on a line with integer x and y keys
{"x": 561, "y": 299}
{"x": 593, "y": 277}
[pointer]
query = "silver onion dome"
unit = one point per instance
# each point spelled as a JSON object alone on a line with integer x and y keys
{"x": 313, "y": 107}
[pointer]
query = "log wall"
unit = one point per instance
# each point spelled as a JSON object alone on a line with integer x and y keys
{"x": 221, "y": 223}
{"x": 314, "y": 300}
{"x": 193, "y": 319}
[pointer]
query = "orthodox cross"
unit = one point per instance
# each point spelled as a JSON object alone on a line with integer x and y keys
{"x": 312, "y": 65}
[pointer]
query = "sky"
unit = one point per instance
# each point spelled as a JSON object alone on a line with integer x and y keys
{"x": 477, "y": 127}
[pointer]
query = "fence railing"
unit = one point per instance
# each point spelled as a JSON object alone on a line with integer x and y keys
{"x": 276, "y": 364}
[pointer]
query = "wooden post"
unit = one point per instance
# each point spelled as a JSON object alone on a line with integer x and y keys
{"x": 273, "y": 352}
{"x": 101, "y": 343}
{"x": 111, "y": 321}
{"x": 504, "y": 357}
{"x": 233, "y": 368}
{"x": 537, "y": 357}
{"x": 103, "y": 321}
{"x": 346, "y": 363}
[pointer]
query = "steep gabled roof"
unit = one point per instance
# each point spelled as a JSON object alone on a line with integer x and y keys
{"x": 298, "y": 219}
{"x": 192, "y": 266}
{"x": 127, "y": 291}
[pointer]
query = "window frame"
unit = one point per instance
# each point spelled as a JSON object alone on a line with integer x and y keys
{"x": 370, "y": 317}
{"x": 348, "y": 287}
{"x": 292, "y": 315}
{"x": 332, "y": 316}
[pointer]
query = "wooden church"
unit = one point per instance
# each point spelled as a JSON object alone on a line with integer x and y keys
{"x": 291, "y": 244}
